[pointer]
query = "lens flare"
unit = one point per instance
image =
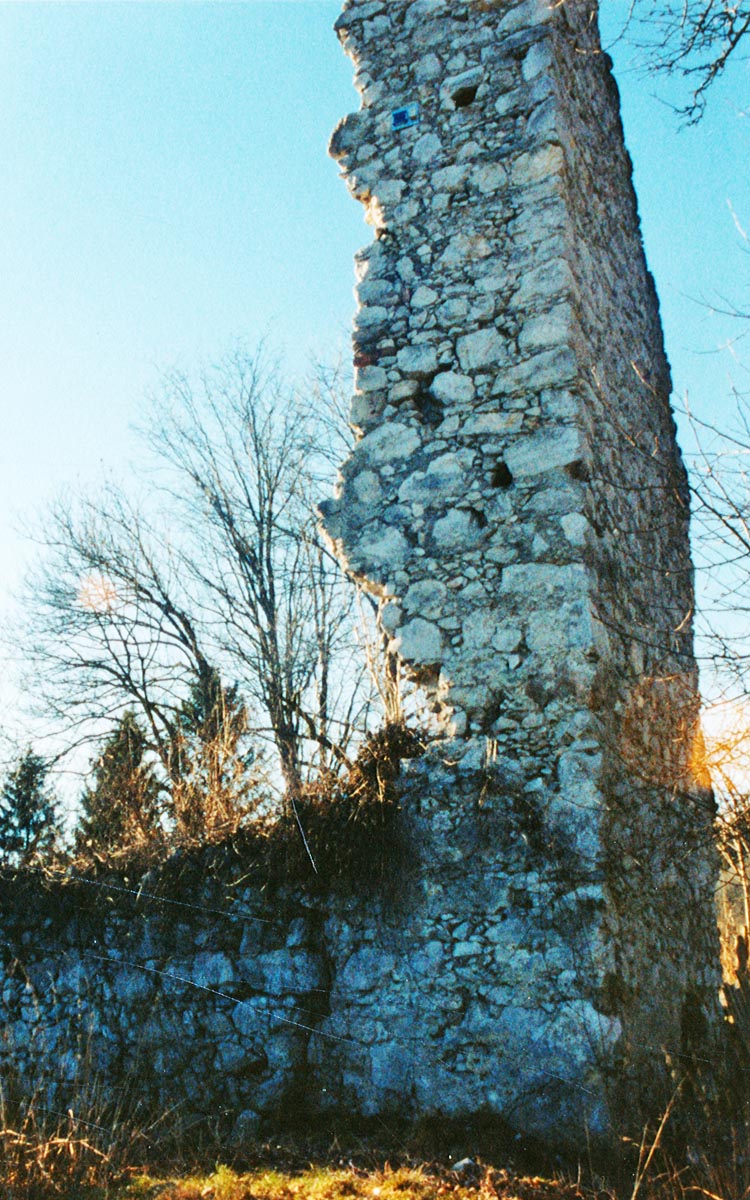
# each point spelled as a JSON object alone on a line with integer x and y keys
{"x": 98, "y": 594}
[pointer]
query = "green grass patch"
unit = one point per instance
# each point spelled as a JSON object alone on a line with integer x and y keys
{"x": 350, "y": 1183}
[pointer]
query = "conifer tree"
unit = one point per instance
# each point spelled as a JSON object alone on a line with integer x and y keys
{"x": 120, "y": 809}
{"x": 29, "y": 827}
{"x": 213, "y": 783}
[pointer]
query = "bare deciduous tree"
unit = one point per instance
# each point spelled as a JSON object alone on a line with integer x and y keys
{"x": 694, "y": 39}
{"x": 279, "y": 605}
{"x": 130, "y": 611}
{"x": 721, "y": 543}
{"x": 107, "y": 622}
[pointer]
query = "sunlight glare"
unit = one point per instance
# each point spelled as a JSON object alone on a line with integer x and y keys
{"x": 726, "y": 731}
{"x": 97, "y": 593}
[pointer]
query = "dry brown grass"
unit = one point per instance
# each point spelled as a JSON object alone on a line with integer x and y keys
{"x": 83, "y": 1152}
{"x": 84, "y": 1161}
{"x": 40, "y": 1160}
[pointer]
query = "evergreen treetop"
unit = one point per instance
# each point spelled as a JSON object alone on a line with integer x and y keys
{"x": 29, "y": 823}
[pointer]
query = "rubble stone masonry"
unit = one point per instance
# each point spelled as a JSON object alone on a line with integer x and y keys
{"x": 544, "y": 950}
{"x": 517, "y": 501}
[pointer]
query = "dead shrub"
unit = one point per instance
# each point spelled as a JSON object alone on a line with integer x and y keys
{"x": 347, "y": 827}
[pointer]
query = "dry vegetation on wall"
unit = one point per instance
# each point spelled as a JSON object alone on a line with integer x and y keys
{"x": 339, "y": 826}
{"x": 342, "y": 829}
{"x": 349, "y": 823}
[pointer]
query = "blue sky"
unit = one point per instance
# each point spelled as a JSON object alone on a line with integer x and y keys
{"x": 693, "y": 185}
{"x": 165, "y": 190}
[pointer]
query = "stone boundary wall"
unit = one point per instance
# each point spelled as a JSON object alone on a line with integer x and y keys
{"x": 247, "y": 1007}
{"x": 465, "y": 984}
{"x": 202, "y": 1005}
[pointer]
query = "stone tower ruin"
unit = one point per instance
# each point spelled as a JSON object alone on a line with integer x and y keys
{"x": 539, "y": 949}
{"x": 517, "y": 501}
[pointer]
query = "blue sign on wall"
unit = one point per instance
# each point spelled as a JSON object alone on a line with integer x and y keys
{"x": 403, "y": 118}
